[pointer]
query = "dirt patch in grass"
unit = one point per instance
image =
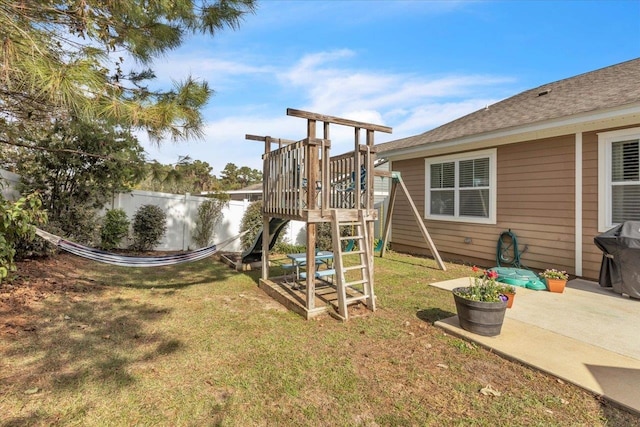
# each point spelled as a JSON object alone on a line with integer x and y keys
{"x": 35, "y": 281}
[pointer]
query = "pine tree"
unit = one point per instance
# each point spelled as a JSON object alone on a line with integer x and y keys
{"x": 68, "y": 57}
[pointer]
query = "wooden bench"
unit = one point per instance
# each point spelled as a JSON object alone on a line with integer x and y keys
{"x": 320, "y": 273}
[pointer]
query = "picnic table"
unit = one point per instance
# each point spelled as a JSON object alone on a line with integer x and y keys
{"x": 300, "y": 260}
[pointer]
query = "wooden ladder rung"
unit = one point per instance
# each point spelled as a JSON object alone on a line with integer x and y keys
{"x": 358, "y": 290}
{"x": 351, "y": 238}
{"x": 356, "y": 299}
{"x": 352, "y": 253}
{"x": 357, "y": 282}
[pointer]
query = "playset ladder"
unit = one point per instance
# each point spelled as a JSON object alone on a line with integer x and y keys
{"x": 360, "y": 289}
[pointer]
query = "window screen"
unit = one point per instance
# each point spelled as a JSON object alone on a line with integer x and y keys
{"x": 625, "y": 181}
{"x": 460, "y": 188}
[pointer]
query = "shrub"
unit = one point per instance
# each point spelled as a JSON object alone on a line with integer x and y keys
{"x": 252, "y": 221}
{"x": 287, "y": 248}
{"x": 115, "y": 227}
{"x": 16, "y": 221}
{"x": 324, "y": 238}
{"x": 209, "y": 216}
{"x": 78, "y": 223}
{"x": 27, "y": 247}
{"x": 149, "y": 226}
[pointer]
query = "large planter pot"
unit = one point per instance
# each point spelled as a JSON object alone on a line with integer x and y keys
{"x": 479, "y": 317}
{"x": 556, "y": 285}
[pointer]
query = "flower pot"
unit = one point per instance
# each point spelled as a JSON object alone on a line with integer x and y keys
{"x": 510, "y": 298}
{"x": 556, "y": 285}
{"x": 479, "y": 317}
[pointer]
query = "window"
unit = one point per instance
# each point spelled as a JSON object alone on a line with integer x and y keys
{"x": 462, "y": 187}
{"x": 618, "y": 177}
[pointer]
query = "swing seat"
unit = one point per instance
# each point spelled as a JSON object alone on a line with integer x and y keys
{"x": 351, "y": 244}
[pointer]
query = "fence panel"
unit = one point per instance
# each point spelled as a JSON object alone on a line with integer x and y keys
{"x": 182, "y": 213}
{"x": 9, "y": 184}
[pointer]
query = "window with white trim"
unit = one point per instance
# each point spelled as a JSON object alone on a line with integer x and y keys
{"x": 462, "y": 187}
{"x": 618, "y": 177}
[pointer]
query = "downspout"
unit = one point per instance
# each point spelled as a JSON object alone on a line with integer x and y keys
{"x": 578, "y": 205}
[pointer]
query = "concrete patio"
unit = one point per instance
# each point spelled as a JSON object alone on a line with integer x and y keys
{"x": 587, "y": 335}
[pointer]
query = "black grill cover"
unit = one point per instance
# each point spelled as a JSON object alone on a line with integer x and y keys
{"x": 620, "y": 268}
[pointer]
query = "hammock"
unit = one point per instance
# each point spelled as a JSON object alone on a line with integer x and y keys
{"x": 133, "y": 261}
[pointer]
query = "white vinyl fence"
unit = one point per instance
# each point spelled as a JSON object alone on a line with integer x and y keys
{"x": 182, "y": 212}
{"x": 9, "y": 184}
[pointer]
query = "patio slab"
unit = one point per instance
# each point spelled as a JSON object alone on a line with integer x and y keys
{"x": 586, "y": 335}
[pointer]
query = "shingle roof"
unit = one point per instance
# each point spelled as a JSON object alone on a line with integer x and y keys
{"x": 249, "y": 188}
{"x": 608, "y": 87}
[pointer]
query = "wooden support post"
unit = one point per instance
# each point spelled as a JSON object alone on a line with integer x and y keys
{"x": 370, "y": 165}
{"x": 325, "y": 190}
{"x": 265, "y": 247}
{"x": 423, "y": 228}
{"x": 387, "y": 221}
{"x": 312, "y": 162}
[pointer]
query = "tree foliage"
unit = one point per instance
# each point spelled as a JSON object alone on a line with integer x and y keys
{"x": 186, "y": 176}
{"x": 17, "y": 221}
{"x": 194, "y": 176}
{"x": 251, "y": 222}
{"x": 74, "y": 186}
{"x": 234, "y": 177}
{"x": 209, "y": 216}
{"x": 90, "y": 58}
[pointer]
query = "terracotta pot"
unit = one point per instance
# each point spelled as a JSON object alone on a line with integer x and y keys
{"x": 482, "y": 318}
{"x": 510, "y": 297}
{"x": 556, "y": 285}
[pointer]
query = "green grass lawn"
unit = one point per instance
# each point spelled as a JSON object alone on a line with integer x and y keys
{"x": 200, "y": 345}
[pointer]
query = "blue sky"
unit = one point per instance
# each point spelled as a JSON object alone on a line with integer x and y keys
{"x": 410, "y": 65}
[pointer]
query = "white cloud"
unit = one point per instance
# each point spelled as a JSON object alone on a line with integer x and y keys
{"x": 225, "y": 142}
{"x": 326, "y": 83}
{"x": 200, "y": 65}
{"x": 432, "y": 115}
{"x": 331, "y": 88}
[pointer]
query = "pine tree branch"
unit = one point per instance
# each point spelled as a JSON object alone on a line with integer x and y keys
{"x": 63, "y": 150}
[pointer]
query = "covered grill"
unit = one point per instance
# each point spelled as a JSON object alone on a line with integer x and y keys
{"x": 620, "y": 267}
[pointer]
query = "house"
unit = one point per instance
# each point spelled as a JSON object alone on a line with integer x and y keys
{"x": 557, "y": 165}
{"x": 251, "y": 193}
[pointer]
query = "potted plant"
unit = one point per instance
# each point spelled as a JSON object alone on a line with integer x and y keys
{"x": 481, "y": 305}
{"x": 508, "y": 291}
{"x": 556, "y": 279}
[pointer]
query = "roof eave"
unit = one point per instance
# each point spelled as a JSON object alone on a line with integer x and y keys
{"x": 583, "y": 122}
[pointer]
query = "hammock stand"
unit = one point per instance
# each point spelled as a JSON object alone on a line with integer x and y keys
{"x": 134, "y": 261}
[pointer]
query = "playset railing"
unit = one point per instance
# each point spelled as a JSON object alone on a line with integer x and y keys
{"x": 295, "y": 185}
{"x": 301, "y": 179}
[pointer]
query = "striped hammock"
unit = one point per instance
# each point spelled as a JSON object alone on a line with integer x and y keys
{"x": 133, "y": 261}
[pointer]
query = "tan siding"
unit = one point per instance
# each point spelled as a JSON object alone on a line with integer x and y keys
{"x": 535, "y": 198}
{"x": 544, "y": 173}
{"x": 591, "y": 255}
